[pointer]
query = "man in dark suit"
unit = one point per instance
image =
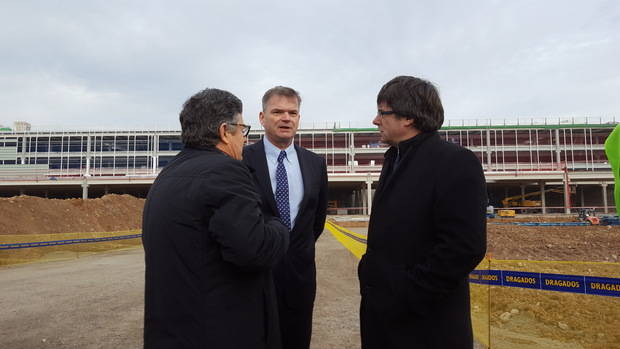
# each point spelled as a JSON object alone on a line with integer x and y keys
{"x": 292, "y": 182}
{"x": 427, "y": 228}
{"x": 209, "y": 249}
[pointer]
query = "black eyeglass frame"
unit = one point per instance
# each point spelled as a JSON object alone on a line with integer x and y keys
{"x": 245, "y": 130}
{"x": 385, "y": 112}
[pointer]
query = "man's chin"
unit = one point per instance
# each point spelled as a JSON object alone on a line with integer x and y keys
{"x": 286, "y": 134}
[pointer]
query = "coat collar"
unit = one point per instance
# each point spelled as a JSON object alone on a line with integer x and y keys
{"x": 405, "y": 150}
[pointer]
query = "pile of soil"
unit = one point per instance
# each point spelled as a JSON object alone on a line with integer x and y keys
{"x": 554, "y": 243}
{"x": 35, "y": 215}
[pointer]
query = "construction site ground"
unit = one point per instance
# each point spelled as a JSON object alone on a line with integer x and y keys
{"x": 96, "y": 300}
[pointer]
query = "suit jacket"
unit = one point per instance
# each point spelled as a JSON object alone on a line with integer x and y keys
{"x": 208, "y": 254}
{"x": 295, "y": 274}
{"x": 427, "y": 231}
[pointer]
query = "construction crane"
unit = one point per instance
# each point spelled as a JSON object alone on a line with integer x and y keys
{"x": 520, "y": 201}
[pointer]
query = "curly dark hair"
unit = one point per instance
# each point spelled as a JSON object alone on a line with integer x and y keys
{"x": 414, "y": 98}
{"x": 202, "y": 115}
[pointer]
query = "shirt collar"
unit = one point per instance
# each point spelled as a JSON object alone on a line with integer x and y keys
{"x": 271, "y": 151}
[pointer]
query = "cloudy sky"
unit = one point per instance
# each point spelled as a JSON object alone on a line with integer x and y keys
{"x": 132, "y": 64}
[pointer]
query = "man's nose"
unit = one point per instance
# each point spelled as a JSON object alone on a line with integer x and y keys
{"x": 376, "y": 120}
{"x": 286, "y": 116}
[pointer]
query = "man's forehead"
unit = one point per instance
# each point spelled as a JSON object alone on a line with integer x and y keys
{"x": 280, "y": 100}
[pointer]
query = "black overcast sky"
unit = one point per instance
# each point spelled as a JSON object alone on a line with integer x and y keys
{"x": 130, "y": 64}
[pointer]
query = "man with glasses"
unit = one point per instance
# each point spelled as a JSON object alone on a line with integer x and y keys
{"x": 209, "y": 249}
{"x": 292, "y": 182}
{"x": 427, "y": 228}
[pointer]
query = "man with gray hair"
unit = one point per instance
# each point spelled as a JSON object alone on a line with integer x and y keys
{"x": 292, "y": 182}
{"x": 208, "y": 247}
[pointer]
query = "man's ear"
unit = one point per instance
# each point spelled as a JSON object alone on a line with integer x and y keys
{"x": 261, "y": 118}
{"x": 410, "y": 122}
{"x": 224, "y": 135}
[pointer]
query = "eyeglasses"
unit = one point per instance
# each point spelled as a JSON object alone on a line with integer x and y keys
{"x": 383, "y": 113}
{"x": 245, "y": 128}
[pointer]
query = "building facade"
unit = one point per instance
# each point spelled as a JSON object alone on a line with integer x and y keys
{"x": 517, "y": 159}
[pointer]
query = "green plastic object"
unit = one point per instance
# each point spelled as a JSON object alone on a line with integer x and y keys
{"x": 612, "y": 150}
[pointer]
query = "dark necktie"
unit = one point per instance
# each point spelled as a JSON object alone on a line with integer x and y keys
{"x": 282, "y": 191}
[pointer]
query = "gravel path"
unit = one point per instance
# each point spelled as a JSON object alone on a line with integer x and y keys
{"x": 97, "y": 301}
{"x": 90, "y": 302}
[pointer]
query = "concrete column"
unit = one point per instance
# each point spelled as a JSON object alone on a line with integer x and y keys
{"x": 23, "y": 155}
{"x": 566, "y": 192}
{"x": 88, "y": 153}
{"x": 605, "y": 206}
{"x": 369, "y": 193}
{"x": 84, "y": 190}
{"x": 557, "y": 148}
{"x": 582, "y": 198}
{"x": 352, "y": 152}
{"x": 155, "y": 153}
{"x": 489, "y": 150}
{"x": 364, "y": 203}
{"x": 543, "y": 198}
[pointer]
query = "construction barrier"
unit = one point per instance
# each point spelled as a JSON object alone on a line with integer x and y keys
{"x": 535, "y": 304}
{"x": 599, "y": 286}
{"x": 25, "y": 248}
{"x": 65, "y": 242}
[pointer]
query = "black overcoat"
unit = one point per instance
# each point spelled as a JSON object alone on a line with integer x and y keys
{"x": 208, "y": 257}
{"x": 295, "y": 274}
{"x": 427, "y": 231}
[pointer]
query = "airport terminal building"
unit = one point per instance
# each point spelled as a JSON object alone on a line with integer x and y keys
{"x": 535, "y": 165}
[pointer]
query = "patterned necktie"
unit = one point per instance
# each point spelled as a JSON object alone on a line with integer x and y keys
{"x": 282, "y": 191}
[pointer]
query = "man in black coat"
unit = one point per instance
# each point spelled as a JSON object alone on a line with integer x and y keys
{"x": 208, "y": 247}
{"x": 292, "y": 182}
{"x": 427, "y": 228}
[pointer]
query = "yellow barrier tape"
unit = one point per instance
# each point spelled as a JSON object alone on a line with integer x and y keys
{"x": 357, "y": 248}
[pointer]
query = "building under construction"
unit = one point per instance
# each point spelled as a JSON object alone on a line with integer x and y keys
{"x": 534, "y": 166}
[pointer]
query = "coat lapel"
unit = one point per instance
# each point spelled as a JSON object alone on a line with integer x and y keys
{"x": 387, "y": 178}
{"x": 305, "y": 169}
{"x": 258, "y": 163}
{"x": 383, "y": 177}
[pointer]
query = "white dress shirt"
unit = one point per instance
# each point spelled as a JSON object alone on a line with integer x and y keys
{"x": 293, "y": 174}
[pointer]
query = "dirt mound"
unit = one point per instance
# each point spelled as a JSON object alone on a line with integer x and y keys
{"x": 34, "y": 215}
{"x": 580, "y": 243}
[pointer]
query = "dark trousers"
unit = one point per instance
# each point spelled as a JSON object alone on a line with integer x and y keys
{"x": 295, "y": 327}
